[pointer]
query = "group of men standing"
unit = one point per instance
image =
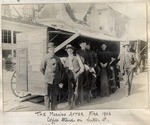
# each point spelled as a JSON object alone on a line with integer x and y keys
{"x": 89, "y": 74}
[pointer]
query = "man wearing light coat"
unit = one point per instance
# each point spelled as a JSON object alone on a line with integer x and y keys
{"x": 51, "y": 67}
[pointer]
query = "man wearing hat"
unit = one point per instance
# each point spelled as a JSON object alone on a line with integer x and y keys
{"x": 74, "y": 68}
{"x": 51, "y": 67}
{"x": 83, "y": 53}
{"x": 85, "y": 58}
{"x": 93, "y": 71}
{"x": 129, "y": 63}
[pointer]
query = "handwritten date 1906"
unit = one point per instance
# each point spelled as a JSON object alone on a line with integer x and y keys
{"x": 106, "y": 113}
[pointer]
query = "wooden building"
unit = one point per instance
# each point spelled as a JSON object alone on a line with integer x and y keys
{"x": 30, "y": 39}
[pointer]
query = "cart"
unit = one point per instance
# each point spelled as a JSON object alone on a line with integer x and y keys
{"x": 32, "y": 47}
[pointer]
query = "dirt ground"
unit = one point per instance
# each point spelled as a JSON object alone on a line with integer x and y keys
{"x": 137, "y": 100}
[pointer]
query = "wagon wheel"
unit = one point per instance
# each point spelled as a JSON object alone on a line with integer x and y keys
{"x": 14, "y": 87}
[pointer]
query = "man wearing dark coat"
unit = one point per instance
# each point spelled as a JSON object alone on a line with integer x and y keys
{"x": 93, "y": 71}
{"x": 84, "y": 80}
{"x": 51, "y": 67}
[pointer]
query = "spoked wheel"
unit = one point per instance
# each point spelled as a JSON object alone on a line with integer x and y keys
{"x": 14, "y": 87}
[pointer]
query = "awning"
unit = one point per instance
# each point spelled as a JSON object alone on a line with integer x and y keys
{"x": 93, "y": 35}
{"x": 74, "y": 34}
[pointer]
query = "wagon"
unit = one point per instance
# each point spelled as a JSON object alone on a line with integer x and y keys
{"x": 32, "y": 47}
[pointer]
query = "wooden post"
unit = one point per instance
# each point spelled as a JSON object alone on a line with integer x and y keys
{"x": 66, "y": 42}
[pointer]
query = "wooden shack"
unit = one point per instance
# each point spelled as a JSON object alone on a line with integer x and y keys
{"x": 32, "y": 47}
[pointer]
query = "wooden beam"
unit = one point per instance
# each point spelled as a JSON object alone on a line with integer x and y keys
{"x": 66, "y": 42}
{"x": 60, "y": 32}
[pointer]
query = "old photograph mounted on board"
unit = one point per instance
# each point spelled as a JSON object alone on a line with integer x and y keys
{"x": 74, "y": 56}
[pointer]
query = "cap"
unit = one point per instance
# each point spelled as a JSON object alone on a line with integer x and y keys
{"x": 69, "y": 46}
{"x": 104, "y": 44}
{"x": 126, "y": 45}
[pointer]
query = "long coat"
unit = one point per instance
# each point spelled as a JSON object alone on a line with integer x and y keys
{"x": 51, "y": 67}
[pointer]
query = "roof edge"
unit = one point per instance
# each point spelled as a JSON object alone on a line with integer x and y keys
{"x": 23, "y": 21}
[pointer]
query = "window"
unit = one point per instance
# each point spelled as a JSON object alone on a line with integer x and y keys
{"x": 6, "y": 36}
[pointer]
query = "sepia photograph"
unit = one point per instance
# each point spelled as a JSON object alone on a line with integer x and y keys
{"x": 74, "y": 56}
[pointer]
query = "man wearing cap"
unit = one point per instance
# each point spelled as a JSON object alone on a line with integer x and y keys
{"x": 74, "y": 67}
{"x": 129, "y": 63}
{"x": 51, "y": 67}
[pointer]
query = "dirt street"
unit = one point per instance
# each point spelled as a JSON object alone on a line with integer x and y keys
{"x": 137, "y": 99}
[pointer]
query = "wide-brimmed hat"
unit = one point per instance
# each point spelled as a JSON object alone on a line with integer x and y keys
{"x": 82, "y": 42}
{"x": 69, "y": 46}
{"x": 50, "y": 45}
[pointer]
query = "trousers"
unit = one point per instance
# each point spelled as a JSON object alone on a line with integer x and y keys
{"x": 91, "y": 86}
{"x": 71, "y": 89}
{"x": 75, "y": 90}
{"x": 80, "y": 99}
{"x": 50, "y": 98}
{"x": 128, "y": 80}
